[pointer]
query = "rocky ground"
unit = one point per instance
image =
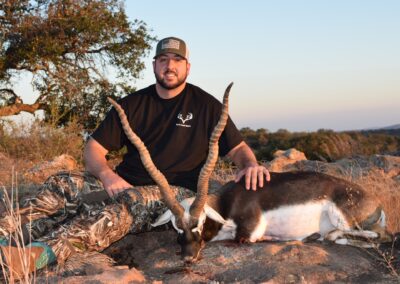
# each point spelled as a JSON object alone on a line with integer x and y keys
{"x": 154, "y": 256}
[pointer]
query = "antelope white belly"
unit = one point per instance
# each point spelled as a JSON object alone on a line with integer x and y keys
{"x": 296, "y": 222}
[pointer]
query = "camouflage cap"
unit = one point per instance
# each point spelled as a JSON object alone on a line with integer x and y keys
{"x": 172, "y": 45}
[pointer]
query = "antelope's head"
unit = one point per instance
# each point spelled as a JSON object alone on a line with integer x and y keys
{"x": 189, "y": 228}
{"x": 188, "y": 217}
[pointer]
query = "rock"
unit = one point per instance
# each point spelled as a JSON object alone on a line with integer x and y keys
{"x": 292, "y": 154}
{"x": 92, "y": 266}
{"x": 155, "y": 255}
{"x": 87, "y": 263}
{"x": 284, "y": 158}
{"x": 116, "y": 274}
{"x": 41, "y": 172}
{"x": 389, "y": 164}
{"x": 353, "y": 168}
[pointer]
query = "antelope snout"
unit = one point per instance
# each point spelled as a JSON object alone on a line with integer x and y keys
{"x": 189, "y": 259}
{"x": 191, "y": 251}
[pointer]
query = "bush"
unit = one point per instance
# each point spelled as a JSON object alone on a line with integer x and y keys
{"x": 39, "y": 141}
{"x": 324, "y": 145}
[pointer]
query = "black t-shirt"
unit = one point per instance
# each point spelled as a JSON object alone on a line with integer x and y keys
{"x": 175, "y": 131}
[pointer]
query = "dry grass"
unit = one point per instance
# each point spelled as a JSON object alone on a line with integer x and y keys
{"x": 39, "y": 141}
{"x": 223, "y": 172}
{"x": 387, "y": 191}
{"x": 18, "y": 239}
{"x": 24, "y": 146}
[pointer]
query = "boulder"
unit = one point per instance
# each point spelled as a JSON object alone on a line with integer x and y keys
{"x": 284, "y": 158}
{"x": 156, "y": 255}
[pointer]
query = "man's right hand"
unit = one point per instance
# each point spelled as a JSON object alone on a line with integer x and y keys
{"x": 113, "y": 183}
{"x": 96, "y": 164}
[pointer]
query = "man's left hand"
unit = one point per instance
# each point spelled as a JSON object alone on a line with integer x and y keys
{"x": 254, "y": 176}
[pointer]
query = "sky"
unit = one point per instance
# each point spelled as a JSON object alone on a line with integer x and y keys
{"x": 296, "y": 65}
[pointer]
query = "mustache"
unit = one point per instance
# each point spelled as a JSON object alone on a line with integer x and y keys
{"x": 169, "y": 71}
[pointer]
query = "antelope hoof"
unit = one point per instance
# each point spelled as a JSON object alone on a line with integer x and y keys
{"x": 189, "y": 260}
{"x": 312, "y": 238}
{"x": 244, "y": 240}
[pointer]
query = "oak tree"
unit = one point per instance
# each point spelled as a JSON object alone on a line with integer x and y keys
{"x": 78, "y": 52}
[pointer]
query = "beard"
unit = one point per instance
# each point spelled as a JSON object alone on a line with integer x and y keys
{"x": 170, "y": 86}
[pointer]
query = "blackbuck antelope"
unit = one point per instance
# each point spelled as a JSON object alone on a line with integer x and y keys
{"x": 292, "y": 206}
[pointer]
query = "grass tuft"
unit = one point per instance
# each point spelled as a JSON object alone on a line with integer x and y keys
{"x": 17, "y": 238}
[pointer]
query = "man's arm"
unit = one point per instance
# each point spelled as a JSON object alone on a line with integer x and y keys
{"x": 243, "y": 157}
{"x": 94, "y": 156}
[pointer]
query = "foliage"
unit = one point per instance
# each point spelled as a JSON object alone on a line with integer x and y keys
{"x": 324, "y": 145}
{"x": 77, "y": 51}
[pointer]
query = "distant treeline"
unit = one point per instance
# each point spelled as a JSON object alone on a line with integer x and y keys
{"x": 324, "y": 145}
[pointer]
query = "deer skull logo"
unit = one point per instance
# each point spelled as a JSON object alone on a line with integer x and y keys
{"x": 189, "y": 116}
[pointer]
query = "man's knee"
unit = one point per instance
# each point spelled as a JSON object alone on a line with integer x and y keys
{"x": 145, "y": 204}
{"x": 72, "y": 185}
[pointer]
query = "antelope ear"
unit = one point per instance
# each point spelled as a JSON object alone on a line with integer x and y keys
{"x": 163, "y": 219}
{"x": 214, "y": 215}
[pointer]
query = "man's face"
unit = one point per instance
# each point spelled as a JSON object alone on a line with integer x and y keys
{"x": 171, "y": 70}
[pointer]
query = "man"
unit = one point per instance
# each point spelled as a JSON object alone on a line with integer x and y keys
{"x": 175, "y": 120}
{"x": 170, "y": 98}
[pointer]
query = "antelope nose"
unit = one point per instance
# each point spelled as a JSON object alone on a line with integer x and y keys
{"x": 188, "y": 259}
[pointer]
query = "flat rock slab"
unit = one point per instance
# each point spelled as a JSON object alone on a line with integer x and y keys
{"x": 117, "y": 274}
{"x": 156, "y": 256}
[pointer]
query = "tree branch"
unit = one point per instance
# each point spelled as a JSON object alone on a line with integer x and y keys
{"x": 18, "y": 108}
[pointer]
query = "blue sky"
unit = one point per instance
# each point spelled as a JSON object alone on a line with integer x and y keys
{"x": 297, "y": 65}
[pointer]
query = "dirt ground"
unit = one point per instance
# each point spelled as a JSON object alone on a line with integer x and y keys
{"x": 156, "y": 256}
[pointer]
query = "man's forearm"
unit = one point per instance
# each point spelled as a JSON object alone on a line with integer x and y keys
{"x": 98, "y": 168}
{"x": 96, "y": 163}
{"x": 246, "y": 161}
{"x": 243, "y": 156}
{"x": 94, "y": 157}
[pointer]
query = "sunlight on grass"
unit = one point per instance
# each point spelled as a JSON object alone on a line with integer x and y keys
{"x": 17, "y": 253}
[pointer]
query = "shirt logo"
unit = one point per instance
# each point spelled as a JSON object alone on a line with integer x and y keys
{"x": 183, "y": 119}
